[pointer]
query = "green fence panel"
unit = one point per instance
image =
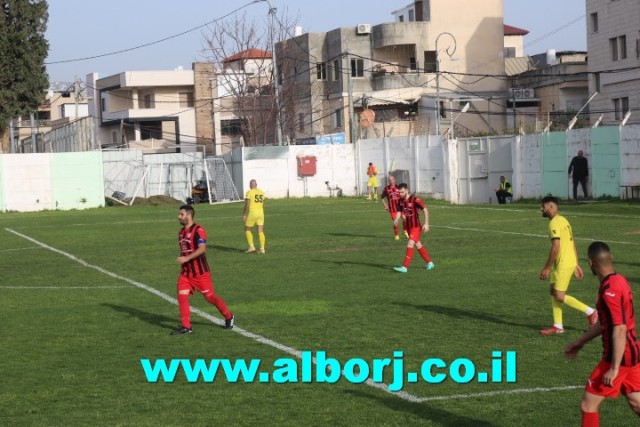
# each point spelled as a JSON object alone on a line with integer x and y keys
{"x": 606, "y": 162}
{"x": 554, "y": 164}
{"x": 2, "y": 202}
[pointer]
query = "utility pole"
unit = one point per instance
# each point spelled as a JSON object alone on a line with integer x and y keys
{"x": 274, "y": 71}
{"x": 352, "y": 138}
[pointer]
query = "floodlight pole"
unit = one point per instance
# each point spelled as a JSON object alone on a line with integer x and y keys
{"x": 274, "y": 72}
{"x": 450, "y": 54}
{"x": 573, "y": 121}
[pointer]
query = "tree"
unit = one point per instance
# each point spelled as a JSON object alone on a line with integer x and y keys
{"x": 244, "y": 89}
{"x": 23, "y": 49}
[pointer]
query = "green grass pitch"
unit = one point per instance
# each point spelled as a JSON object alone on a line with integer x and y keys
{"x": 74, "y": 336}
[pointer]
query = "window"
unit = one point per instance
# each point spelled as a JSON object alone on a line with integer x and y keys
{"x": 301, "y": 122}
{"x": 357, "y": 68}
{"x": 596, "y": 81}
{"x": 231, "y": 127}
{"x": 430, "y": 61}
{"x": 186, "y": 99}
{"x": 413, "y": 65}
{"x": 103, "y": 104}
{"x": 618, "y": 48}
{"x": 594, "y": 22}
{"x": 401, "y": 18}
{"x": 321, "y": 71}
{"x": 338, "y": 118}
{"x": 620, "y": 106}
{"x": 149, "y": 101}
{"x": 509, "y": 52}
{"x": 412, "y": 15}
{"x": 336, "y": 70}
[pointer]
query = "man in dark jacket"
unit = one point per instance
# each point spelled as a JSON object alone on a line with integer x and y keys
{"x": 579, "y": 172}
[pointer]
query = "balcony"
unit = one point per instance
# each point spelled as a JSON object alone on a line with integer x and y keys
{"x": 393, "y": 76}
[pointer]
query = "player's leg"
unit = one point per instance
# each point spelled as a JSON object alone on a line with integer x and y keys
{"x": 248, "y": 231}
{"x": 261, "y": 236}
{"x": 414, "y": 235}
{"x": 184, "y": 292}
{"x": 556, "y": 308}
{"x": 396, "y": 228}
{"x": 205, "y": 286}
{"x": 589, "y": 407}
{"x": 634, "y": 402}
{"x": 425, "y": 255}
{"x": 563, "y": 279}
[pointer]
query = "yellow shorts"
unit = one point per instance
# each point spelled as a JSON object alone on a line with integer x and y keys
{"x": 561, "y": 278}
{"x": 373, "y": 181}
{"x": 254, "y": 218}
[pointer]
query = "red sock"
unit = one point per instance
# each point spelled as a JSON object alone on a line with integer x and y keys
{"x": 408, "y": 257}
{"x": 425, "y": 255}
{"x": 590, "y": 419}
{"x": 219, "y": 303}
{"x": 395, "y": 229}
{"x": 185, "y": 310}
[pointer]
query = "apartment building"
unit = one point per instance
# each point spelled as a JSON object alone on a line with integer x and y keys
{"x": 613, "y": 42}
{"x": 416, "y": 73}
{"x": 144, "y": 109}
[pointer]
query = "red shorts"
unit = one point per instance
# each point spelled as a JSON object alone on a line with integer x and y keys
{"x": 415, "y": 233}
{"x": 627, "y": 381}
{"x": 393, "y": 214}
{"x": 201, "y": 283}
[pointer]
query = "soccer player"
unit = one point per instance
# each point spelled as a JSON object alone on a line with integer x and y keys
{"x": 254, "y": 215}
{"x": 409, "y": 207}
{"x": 195, "y": 273}
{"x": 372, "y": 183}
{"x": 390, "y": 197}
{"x": 619, "y": 369}
{"x": 561, "y": 264}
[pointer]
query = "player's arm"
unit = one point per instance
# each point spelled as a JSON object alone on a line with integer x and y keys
{"x": 571, "y": 351}
{"x": 553, "y": 255}
{"x": 619, "y": 337}
{"x": 425, "y": 227}
{"x": 384, "y": 197}
{"x": 247, "y": 203}
{"x": 397, "y": 218}
{"x": 202, "y": 248}
{"x": 578, "y": 272}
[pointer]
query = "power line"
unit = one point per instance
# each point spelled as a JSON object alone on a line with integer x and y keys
{"x": 117, "y": 52}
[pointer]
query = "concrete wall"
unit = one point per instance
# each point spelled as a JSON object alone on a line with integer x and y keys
{"x": 34, "y": 182}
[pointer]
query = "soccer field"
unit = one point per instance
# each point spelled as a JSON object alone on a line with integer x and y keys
{"x": 85, "y": 295}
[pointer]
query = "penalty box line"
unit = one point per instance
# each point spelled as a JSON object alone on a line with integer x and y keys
{"x": 266, "y": 341}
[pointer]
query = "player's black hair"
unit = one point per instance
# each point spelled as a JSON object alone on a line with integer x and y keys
{"x": 403, "y": 185}
{"x": 189, "y": 209}
{"x": 550, "y": 199}
{"x": 597, "y": 249}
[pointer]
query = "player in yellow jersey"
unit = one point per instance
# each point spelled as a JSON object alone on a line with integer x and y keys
{"x": 254, "y": 215}
{"x": 562, "y": 263}
{"x": 372, "y": 182}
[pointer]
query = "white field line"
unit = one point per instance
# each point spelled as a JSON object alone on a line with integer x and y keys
{"x": 515, "y": 233}
{"x": 63, "y": 288}
{"x": 20, "y": 249}
{"x": 259, "y": 338}
{"x": 499, "y": 392}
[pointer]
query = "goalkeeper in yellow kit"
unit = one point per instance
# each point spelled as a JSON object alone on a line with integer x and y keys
{"x": 254, "y": 215}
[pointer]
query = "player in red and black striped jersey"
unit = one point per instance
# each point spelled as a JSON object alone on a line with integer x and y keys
{"x": 409, "y": 207}
{"x": 195, "y": 273}
{"x": 619, "y": 368}
{"x": 390, "y": 197}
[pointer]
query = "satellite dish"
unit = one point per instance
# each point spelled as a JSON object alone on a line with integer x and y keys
{"x": 367, "y": 117}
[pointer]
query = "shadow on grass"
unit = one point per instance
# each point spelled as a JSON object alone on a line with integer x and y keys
{"x": 225, "y": 248}
{"x": 363, "y": 264}
{"x": 474, "y": 315}
{"x": 368, "y": 236}
{"x": 423, "y": 410}
{"x": 151, "y": 318}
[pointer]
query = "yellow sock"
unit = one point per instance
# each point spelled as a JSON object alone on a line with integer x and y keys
{"x": 249, "y": 235}
{"x": 574, "y": 303}
{"x": 262, "y": 239}
{"x": 557, "y": 311}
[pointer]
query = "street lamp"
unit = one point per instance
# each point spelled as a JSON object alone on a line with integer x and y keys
{"x": 450, "y": 54}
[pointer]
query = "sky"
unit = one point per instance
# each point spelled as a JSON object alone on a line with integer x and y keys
{"x": 80, "y": 28}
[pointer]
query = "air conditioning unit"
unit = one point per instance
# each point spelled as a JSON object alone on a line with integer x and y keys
{"x": 363, "y": 29}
